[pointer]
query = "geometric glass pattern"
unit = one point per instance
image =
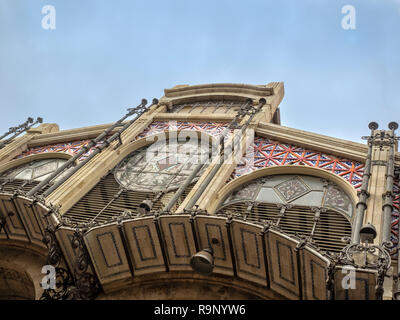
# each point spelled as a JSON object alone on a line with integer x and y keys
{"x": 34, "y": 171}
{"x": 246, "y": 193}
{"x": 161, "y": 167}
{"x": 300, "y": 190}
{"x": 268, "y": 153}
{"x": 292, "y": 189}
{"x": 336, "y": 198}
{"x": 72, "y": 148}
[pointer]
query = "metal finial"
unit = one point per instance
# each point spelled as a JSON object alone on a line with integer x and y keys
{"x": 144, "y": 101}
{"x": 39, "y": 119}
{"x": 263, "y": 101}
{"x": 393, "y": 125}
{"x": 30, "y": 120}
{"x": 249, "y": 100}
{"x": 373, "y": 125}
{"x": 155, "y": 101}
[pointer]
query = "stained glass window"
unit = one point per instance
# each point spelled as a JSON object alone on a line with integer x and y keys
{"x": 37, "y": 170}
{"x": 161, "y": 166}
{"x": 297, "y": 190}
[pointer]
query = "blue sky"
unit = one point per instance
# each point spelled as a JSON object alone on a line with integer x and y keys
{"x": 104, "y": 56}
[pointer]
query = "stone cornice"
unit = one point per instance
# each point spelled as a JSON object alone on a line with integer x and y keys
{"x": 195, "y": 117}
{"x": 231, "y": 91}
{"x": 69, "y": 135}
{"x": 20, "y": 144}
{"x": 330, "y": 145}
{"x": 93, "y": 131}
{"x": 184, "y": 90}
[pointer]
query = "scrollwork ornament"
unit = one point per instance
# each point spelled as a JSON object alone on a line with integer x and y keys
{"x": 87, "y": 285}
{"x": 347, "y": 256}
{"x": 64, "y": 284}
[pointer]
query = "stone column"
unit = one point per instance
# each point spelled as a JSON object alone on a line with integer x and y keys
{"x": 377, "y": 183}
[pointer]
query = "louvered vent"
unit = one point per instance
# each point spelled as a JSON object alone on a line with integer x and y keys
{"x": 331, "y": 227}
{"x": 99, "y": 204}
{"x": 10, "y": 186}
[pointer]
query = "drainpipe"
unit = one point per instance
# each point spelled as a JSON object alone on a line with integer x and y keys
{"x": 21, "y": 129}
{"x": 182, "y": 188}
{"x": 218, "y": 165}
{"x": 190, "y": 178}
{"x": 17, "y": 129}
{"x": 196, "y": 170}
{"x": 99, "y": 149}
{"x": 139, "y": 110}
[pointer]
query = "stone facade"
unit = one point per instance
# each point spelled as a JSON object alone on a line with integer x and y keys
{"x": 135, "y": 254}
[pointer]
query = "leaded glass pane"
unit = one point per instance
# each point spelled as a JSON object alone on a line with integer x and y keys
{"x": 36, "y": 170}
{"x": 44, "y": 169}
{"x": 25, "y": 174}
{"x": 299, "y": 190}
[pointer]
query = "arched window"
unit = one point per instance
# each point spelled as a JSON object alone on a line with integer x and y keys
{"x": 29, "y": 174}
{"x": 301, "y": 204}
{"x": 151, "y": 173}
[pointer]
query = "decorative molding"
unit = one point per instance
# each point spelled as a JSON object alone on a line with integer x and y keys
{"x": 269, "y": 153}
{"x": 321, "y": 143}
{"x": 185, "y": 93}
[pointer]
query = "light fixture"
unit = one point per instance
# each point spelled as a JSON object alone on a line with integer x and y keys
{"x": 203, "y": 261}
{"x": 367, "y": 233}
{"x": 145, "y": 206}
{"x": 366, "y": 254}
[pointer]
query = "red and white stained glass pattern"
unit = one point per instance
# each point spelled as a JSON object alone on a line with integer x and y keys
{"x": 268, "y": 153}
{"x": 72, "y": 148}
{"x": 396, "y": 211}
{"x": 212, "y": 128}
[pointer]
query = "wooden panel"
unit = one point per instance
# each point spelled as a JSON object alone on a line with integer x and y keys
{"x": 314, "y": 274}
{"x": 249, "y": 253}
{"x": 14, "y": 226}
{"x": 179, "y": 242}
{"x": 30, "y": 220}
{"x": 364, "y": 288}
{"x": 282, "y": 264}
{"x": 207, "y": 228}
{"x": 144, "y": 246}
{"x": 107, "y": 252}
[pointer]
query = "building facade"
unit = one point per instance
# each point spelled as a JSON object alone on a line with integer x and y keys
{"x": 201, "y": 194}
